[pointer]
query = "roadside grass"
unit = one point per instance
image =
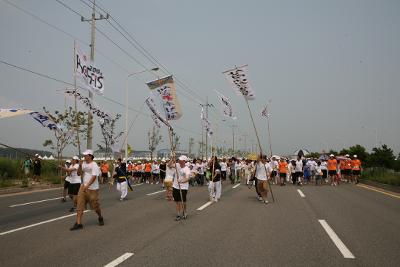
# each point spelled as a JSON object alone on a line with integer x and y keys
{"x": 382, "y": 175}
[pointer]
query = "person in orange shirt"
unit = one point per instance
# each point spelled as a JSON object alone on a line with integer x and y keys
{"x": 147, "y": 172}
{"x": 138, "y": 172}
{"x": 356, "y": 168}
{"x": 332, "y": 166}
{"x": 347, "y": 168}
{"x": 282, "y": 171}
{"x": 104, "y": 172}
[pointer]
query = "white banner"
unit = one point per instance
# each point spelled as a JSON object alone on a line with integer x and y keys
{"x": 226, "y": 107}
{"x": 152, "y": 106}
{"x": 166, "y": 88}
{"x": 44, "y": 120}
{"x": 91, "y": 77}
{"x": 104, "y": 117}
{"x": 238, "y": 78}
{"x": 11, "y": 112}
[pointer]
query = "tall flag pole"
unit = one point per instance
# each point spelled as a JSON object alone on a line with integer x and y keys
{"x": 238, "y": 78}
{"x": 265, "y": 113}
{"x": 165, "y": 87}
{"x": 76, "y": 109}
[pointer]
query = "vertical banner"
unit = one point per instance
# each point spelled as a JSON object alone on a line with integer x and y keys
{"x": 166, "y": 89}
{"x": 238, "y": 78}
{"x": 226, "y": 107}
{"x": 91, "y": 77}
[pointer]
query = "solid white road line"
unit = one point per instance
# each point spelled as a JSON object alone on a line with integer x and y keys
{"x": 137, "y": 184}
{"x": 205, "y": 205}
{"x": 301, "y": 193}
{"x": 150, "y": 194}
{"x": 336, "y": 240}
{"x": 119, "y": 260}
{"x": 235, "y": 186}
{"x": 34, "y": 202}
{"x": 39, "y": 223}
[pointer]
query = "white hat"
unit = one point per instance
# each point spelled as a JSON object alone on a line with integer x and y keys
{"x": 36, "y": 155}
{"x": 67, "y": 161}
{"x": 88, "y": 152}
{"x": 355, "y": 156}
{"x": 75, "y": 157}
{"x": 347, "y": 155}
{"x": 331, "y": 155}
{"x": 183, "y": 157}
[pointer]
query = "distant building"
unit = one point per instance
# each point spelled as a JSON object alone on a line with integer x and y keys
{"x": 165, "y": 153}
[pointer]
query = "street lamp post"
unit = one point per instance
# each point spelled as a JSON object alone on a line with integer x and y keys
{"x": 126, "y": 106}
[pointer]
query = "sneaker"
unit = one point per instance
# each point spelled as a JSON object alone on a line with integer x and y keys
{"x": 178, "y": 218}
{"x": 260, "y": 198}
{"x": 121, "y": 199}
{"x": 101, "y": 221}
{"x": 215, "y": 200}
{"x": 72, "y": 209}
{"x": 76, "y": 227}
{"x": 266, "y": 202}
{"x": 184, "y": 217}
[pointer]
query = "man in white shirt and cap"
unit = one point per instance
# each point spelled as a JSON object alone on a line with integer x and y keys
{"x": 262, "y": 172}
{"x": 89, "y": 190}
{"x": 180, "y": 186}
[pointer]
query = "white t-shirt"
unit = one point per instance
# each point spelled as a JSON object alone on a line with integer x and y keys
{"x": 324, "y": 165}
{"x": 260, "y": 171}
{"x": 223, "y": 166}
{"x": 155, "y": 168}
{"x": 274, "y": 165}
{"x": 74, "y": 178}
{"x": 67, "y": 178}
{"x": 299, "y": 166}
{"x": 88, "y": 170}
{"x": 311, "y": 164}
{"x": 182, "y": 173}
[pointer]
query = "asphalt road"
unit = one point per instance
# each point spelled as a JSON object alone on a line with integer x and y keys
{"x": 236, "y": 231}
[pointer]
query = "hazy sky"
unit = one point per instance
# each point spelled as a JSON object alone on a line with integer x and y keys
{"x": 331, "y": 68}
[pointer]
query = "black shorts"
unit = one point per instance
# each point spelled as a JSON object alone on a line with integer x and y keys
{"x": 104, "y": 174}
{"x": 282, "y": 175}
{"x": 332, "y": 173}
{"x": 345, "y": 172}
{"x": 73, "y": 189}
{"x": 36, "y": 172}
{"x": 356, "y": 172}
{"x": 177, "y": 196}
{"x": 273, "y": 173}
{"x": 66, "y": 184}
{"x": 325, "y": 174}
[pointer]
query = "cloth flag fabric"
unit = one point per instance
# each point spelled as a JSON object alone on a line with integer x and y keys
{"x": 152, "y": 106}
{"x": 206, "y": 123}
{"x": 90, "y": 76}
{"x": 226, "y": 107}
{"x": 265, "y": 113}
{"x": 44, "y": 120}
{"x": 238, "y": 78}
{"x": 11, "y": 112}
{"x": 166, "y": 89}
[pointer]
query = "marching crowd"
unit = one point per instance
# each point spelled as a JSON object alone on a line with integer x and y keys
{"x": 176, "y": 175}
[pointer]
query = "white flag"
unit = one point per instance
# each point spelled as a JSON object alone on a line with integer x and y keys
{"x": 226, "y": 107}
{"x": 44, "y": 120}
{"x": 238, "y": 78}
{"x": 11, "y": 112}
{"x": 91, "y": 77}
{"x": 152, "y": 106}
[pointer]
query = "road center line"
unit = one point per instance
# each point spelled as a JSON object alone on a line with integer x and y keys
{"x": 39, "y": 223}
{"x": 301, "y": 193}
{"x": 235, "y": 186}
{"x": 377, "y": 190}
{"x": 34, "y": 202}
{"x": 119, "y": 260}
{"x": 150, "y": 194}
{"x": 336, "y": 240}
{"x": 205, "y": 205}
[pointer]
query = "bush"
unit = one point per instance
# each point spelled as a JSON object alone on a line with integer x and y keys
{"x": 10, "y": 169}
{"x": 382, "y": 175}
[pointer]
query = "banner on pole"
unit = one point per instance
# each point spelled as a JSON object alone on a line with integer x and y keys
{"x": 265, "y": 113}
{"x": 105, "y": 118}
{"x": 90, "y": 76}
{"x": 44, "y": 120}
{"x": 155, "y": 114}
{"x": 238, "y": 78}
{"x": 166, "y": 89}
{"x": 11, "y": 112}
{"x": 226, "y": 107}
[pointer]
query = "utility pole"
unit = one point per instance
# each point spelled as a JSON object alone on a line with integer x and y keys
{"x": 93, "y": 31}
{"x": 245, "y": 142}
{"x": 233, "y": 137}
{"x": 206, "y": 105}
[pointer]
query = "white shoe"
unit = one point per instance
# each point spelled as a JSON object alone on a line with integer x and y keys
{"x": 266, "y": 202}
{"x": 260, "y": 198}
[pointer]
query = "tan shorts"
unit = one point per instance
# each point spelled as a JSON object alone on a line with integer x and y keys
{"x": 262, "y": 187}
{"x": 88, "y": 196}
{"x": 168, "y": 184}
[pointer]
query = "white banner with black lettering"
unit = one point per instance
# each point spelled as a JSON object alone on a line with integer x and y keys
{"x": 239, "y": 79}
{"x": 90, "y": 76}
{"x": 226, "y": 107}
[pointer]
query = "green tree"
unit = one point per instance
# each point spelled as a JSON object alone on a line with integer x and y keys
{"x": 382, "y": 157}
{"x": 110, "y": 137}
{"x": 154, "y": 140}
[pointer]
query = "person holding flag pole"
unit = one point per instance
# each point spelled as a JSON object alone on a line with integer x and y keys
{"x": 238, "y": 77}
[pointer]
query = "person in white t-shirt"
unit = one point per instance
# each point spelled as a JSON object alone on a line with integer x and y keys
{"x": 298, "y": 169}
{"x": 180, "y": 186}
{"x": 66, "y": 179}
{"x": 223, "y": 169}
{"x": 89, "y": 190}
{"x": 263, "y": 171}
{"x": 74, "y": 180}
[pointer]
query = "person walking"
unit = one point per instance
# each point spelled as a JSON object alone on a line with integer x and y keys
{"x": 74, "y": 181}
{"x": 262, "y": 172}
{"x": 332, "y": 169}
{"x": 37, "y": 169}
{"x": 89, "y": 189}
{"x": 121, "y": 179}
{"x": 214, "y": 187}
{"x": 180, "y": 186}
{"x": 356, "y": 169}
{"x": 283, "y": 168}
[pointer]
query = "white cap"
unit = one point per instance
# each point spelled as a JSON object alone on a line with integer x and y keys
{"x": 75, "y": 157}
{"x": 183, "y": 157}
{"x": 36, "y": 155}
{"x": 88, "y": 152}
{"x": 67, "y": 161}
{"x": 355, "y": 156}
{"x": 331, "y": 155}
{"x": 347, "y": 155}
